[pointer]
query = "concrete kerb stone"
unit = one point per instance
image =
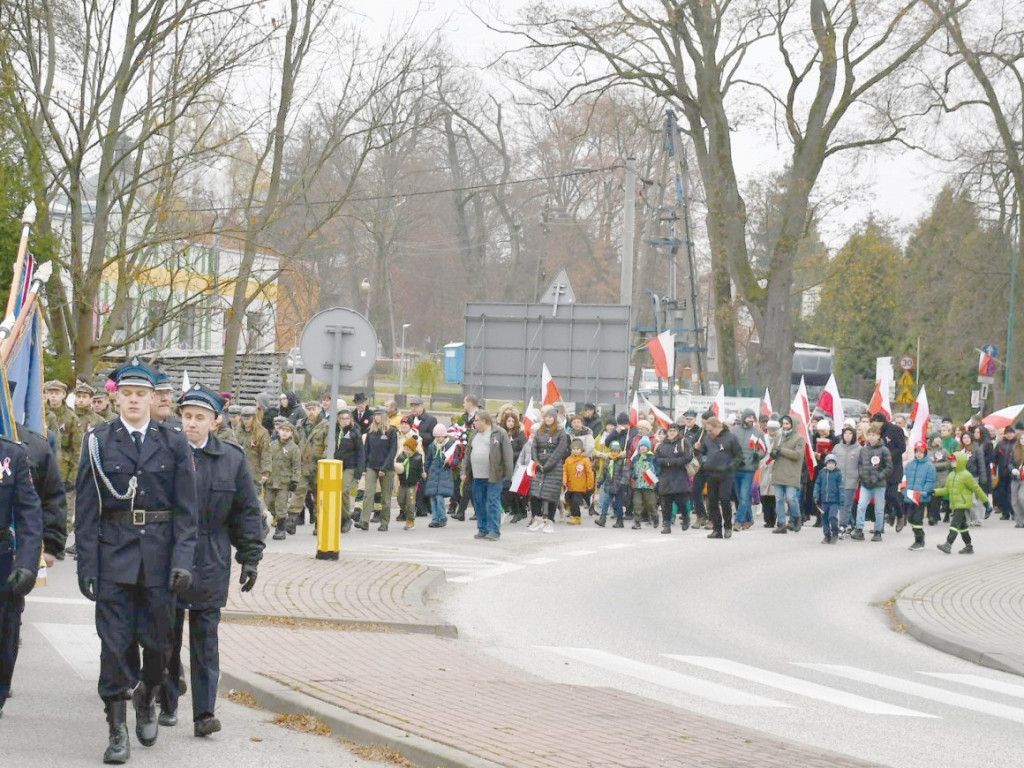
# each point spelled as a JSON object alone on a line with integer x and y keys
{"x": 281, "y": 699}
{"x": 441, "y": 629}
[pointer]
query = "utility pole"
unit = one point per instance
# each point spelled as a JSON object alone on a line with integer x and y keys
{"x": 1014, "y": 256}
{"x": 628, "y": 234}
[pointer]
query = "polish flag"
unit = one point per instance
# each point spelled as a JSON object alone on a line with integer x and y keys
{"x": 801, "y": 413}
{"x": 766, "y": 404}
{"x": 520, "y": 481}
{"x": 913, "y": 496}
{"x": 530, "y": 417}
{"x": 659, "y": 415}
{"x": 634, "y": 410}
{"x": 1002, "y": 418}
{"x": 650, "y": 477}
{"x": 531, "y": 468}
{"x": 186, "y": 385}
{"x": 550, "y": 392}
{"x": 832, "y": 404}
{"x": 718, "y": 407}
{"x": 663, "y": 352}
{"x": 757, "y": 443}
{"x": 880, "y": 401}
{"x": 449, "y": 455}
{"x": 919, "y": 414}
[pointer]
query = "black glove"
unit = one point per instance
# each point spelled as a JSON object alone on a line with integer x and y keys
{"x": 293, "y": 486}
{"x": 180, "y": 580}
{"x": 357, "y": 476}
{"x": 21, "y": 581}
{"x": 247, "y": 578}
{"x": 775, "y": 453}
{"x": 87, "y": 587}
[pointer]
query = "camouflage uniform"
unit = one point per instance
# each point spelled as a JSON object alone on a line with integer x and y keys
{"x": 70, "y": 432}
{"x": 225, "y": 432}
{"x": 285, "y": 466}
{"x": 256, "y": 443}
{"x": 313, "y": 439}
{"x": 88, "y": 418}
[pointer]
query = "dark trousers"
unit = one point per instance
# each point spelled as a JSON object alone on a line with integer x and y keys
{"x": 958, "y": 525}
{"x": 576, "y": 501}
{"x": 127, "y": 616}
{"x": 514, "y": 503}
{"x": 893, "y": 499}
{"x": 677, "y": 500}
{"x": 915, "y": 516}
{"x": 11, "y": 608}
{"x": 937, "y": 508}
{"x": 719, "y": 506}
{"x": 422, "y": 503}
{"x": 1001, "y": 496}
{"x": 541, "y": 508}
{"x": 697, "y": 494}
{"x": 768, "y": 510}
{"x": 203, "y": 657}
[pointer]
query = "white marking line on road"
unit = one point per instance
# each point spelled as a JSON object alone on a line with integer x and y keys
{"x": 58, "y": 600}
{"x": 616, "y": 546}
{"x": 996, "y": 686}
{"x": 920, "y": 690}
{"x": 692, "y": 686}
{"x": 488, "y": 573}
{"x": 541, "y": 560}
{"x": 797, "y": 686}
{"x": 579, "y": 553}
{"x": 77, "y": 644}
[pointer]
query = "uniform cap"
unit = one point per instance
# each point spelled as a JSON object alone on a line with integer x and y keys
{"x": 163, "y": 383}
{"x": 134, "y": 373}
{"x": 203, "y": 397}
{"x": 236, "y": 409}
{"x": 84, "y": 389}
{"x": 54, "y": 384}
{"x": 690, "y": 413}
{"x": 248, "y": 410}
{"x": 282, "y": 421}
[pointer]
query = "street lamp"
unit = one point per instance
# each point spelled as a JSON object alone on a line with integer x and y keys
{"x": 401, "y": 363}
{"x": 295, "y": 349}
{"x": 365, "y": 288}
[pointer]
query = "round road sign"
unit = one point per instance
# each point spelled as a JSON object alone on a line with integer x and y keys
{"x": 907, "y": 363}
{"x": 355, "y": 348}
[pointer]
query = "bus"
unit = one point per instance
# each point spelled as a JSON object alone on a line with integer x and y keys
{"x": 814, "y": 364}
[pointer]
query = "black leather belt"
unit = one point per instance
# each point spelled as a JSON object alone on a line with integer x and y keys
{"x": 137, "y": 517}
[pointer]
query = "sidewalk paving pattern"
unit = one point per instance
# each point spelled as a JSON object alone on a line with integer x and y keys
{"x": 480, "y": 712}
{"x": 976, "y": 613}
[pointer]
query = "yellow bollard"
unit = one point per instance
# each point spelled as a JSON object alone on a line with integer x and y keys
{"x": 328, "y": 508}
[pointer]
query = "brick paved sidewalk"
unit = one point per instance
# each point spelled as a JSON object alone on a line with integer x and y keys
{"x": 352, "y": 592}
{"x": 976, "y": 613}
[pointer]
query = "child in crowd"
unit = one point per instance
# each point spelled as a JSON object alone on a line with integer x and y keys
{"x": 285, "y": 465}
{"x": 645, "y": 485}
{"x": 614, "y": 483}
{"x": 577, "y": 479}
{"x": 828, "y": 494}
{"x": 438, "y": 483}
{"x": 961, "y": 488}
{"x": 918, "y": 484}
{"x": 942, "y": 458}
{"x": 409, "y": 468}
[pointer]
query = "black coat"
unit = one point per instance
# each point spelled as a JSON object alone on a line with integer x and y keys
{"x": 350, "y": 450}
{"x": 549, "y": 450}
{"x": 229, "y": 515}
{"x": 19, "y": 510}
{"x": 42, "y": 461}
{"x": 134, "y": 554}
{"x": 722, "y": 454}
{"x": 381, "y": 449}
{"x": 672, "y": 458}
{"x": 894, "y": 439}
{"x": 424, "y": 425}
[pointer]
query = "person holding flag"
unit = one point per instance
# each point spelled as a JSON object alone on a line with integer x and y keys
{"x": 788, "y": 456}
{"x": 645, "y": 485}
{"x": 918, "y": 484}
{"x": 753, "y": 447}
{"x": 874, "y": 467}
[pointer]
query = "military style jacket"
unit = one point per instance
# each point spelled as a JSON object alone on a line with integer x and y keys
{"x": 21, "y": 516}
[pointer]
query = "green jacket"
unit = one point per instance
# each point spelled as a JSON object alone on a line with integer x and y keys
{"x": 70, "y": 439}
{"x": 285, "y": 464}
{"x": 314, "y": 445}
{"x": 961, "y": 486}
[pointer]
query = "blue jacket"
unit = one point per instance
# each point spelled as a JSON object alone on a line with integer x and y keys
{"x": 920, "y": 475}
{"x": 439, "y": 480}
{"x": 828, "y": 486}
{"x": 21, "y": 516}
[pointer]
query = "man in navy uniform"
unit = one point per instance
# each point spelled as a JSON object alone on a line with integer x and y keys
{"x": 229, "y": 515}
{"x": 136, "y": 528}
{"x": 21, "y": 537}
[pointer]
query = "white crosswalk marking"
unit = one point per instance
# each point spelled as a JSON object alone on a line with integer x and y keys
{"x": 488, "y": 573}
{"x": 996, "y": 686}
{"x": 920, "y": 690}
{"x": 797, "y": 686}
{"x": 77, "y": 644}
{"x": 650, "y": 673}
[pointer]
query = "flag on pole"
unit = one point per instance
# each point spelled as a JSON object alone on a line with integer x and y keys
{"x": 832, "y": 404}
{"x": 663, "y": 352}
{"x": 801, "y": 413}
{"x": 634, "y": 410}
{"x": 766, "y": 404}
{"x": 718, "y": 406}
{"x": 659, "y": 415}
{"x": 23, "y": 364}
{"x": 920, "y": 414}
{"x": 1003, "y": 417}
{"x": 186, "y": 385}
{"x": 880, "y": 401}
{"x": 758, "y": 443}
{"x": 549, "y": 390}
{"x": 530, "y": 417}
{"x": 650, "y": 477}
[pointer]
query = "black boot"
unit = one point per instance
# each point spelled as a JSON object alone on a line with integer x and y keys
{"x": 146, "y": 726}
{"x": 289, "y": 525}
{"x": 118, "y": 750}
{"x": 279, "y": 533}
{"x": 168, "y": 711}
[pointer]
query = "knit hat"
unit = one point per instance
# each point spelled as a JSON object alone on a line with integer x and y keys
{"x": 622, "y": 418}
{"x": 440, "y": 431}
{"x": 772, "y": 424}
{"x": 644, "y": 441}
{"x": 549, "y": 410}
{"x": 831, "y": 459}
{"x": 643, "y": 424}
{"x": 410, "y": 443}
{"x": 824, "y": 424}
{"x": 576, "y": 443}
{"x": 614, "y": 445}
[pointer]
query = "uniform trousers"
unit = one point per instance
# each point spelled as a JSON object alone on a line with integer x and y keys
{"x": 127, "y": 616}
{"x": 204, "y": 660}
{"x": 11, "y": 608}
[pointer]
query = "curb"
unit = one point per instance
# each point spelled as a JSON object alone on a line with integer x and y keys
{"x": 281, "y": 699}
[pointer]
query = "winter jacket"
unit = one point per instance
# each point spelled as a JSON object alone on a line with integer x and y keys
{"x": 578, "y": 474}
{"x": 894, "y": 439}
{"x": 549, "y": 451}
{"x": 961, "y": 486}
{"x": 615, "y": 474}
{"x": 828, "y": 486}
{"x": 424, "y": 426}
{"x": 919, "y": 475}
{"x": 874, "y": 465}
{"x": 978, "y": 467}
{"x": 499, "y": 457}
{"x": 671, "y": 458}
{"x": 943, "y": 461}
{"x": 285, "y": 464}
{"x": 1003, "y": 458}
{"x": 350, "y": 450}
{"x": 412, "y": 469}
{"x": 586, "y": 437}
{"x": 439, "y": 480}
{"x": 846, "y": 461}
{"x": 518, "y": 440}
{"x": 641, "y": 463}
{"x": 722, "y": 454}
{"x": 751, "y": 455}
{"x": 789, "y": 459}
{"x": 381, "y": 449}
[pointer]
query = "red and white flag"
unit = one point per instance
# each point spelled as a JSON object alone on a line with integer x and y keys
{"x": 530, "y": 417}
{"x": 634, "y": 410}
{"x": 718, "y": 406}
{"x": 520, "y": 480}
{"x": 914, "y": 497}
{"x": 650, "y": 477}
{"x": 659, "y": 415}
{"x": 758, "y": 443}
{"x": 801, "y": 413}
{"x": 880, "y": 401}
{"x": 919, "y": 414}
{"x": 663, "y": 352}
{"x": 549, "y": 390}
{"x": 1004, "y": 417}
{"x": 531, "y": 468}
{"x": 832, "y": 404}
{"x": 449, "y": 454}
{"x": 766, "y": 404}
{"x": 186, "y": 385}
